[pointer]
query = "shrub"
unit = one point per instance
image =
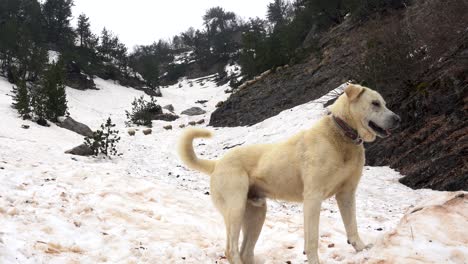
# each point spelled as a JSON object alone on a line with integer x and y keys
{"x": 143, "y": 112}
{"x": 104, "y": 141}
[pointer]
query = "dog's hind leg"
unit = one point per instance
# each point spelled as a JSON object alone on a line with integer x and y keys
{"x": 229, "y": 192}
{"x": 254, "y": 218}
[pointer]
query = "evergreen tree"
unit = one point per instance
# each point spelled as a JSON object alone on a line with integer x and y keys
{"x": 279, "y": 12}
{"x": 188, "y": 37}
{"x": 35, "y": 62}
{"x": 104, "y": 140}
{"x": 220, "y": 26}
{"x": 38, "y": 103}
{"x": 21, "y": 99}
{"x": 57, "y": 16}
{"x": 252, "y": 58}
{"x": 53, "y": 88}
{"x": 85, "y": 37}
{"x": 107, "y": 45}
{"x": 145, "y": 60}
{"x": 21, "y": 38}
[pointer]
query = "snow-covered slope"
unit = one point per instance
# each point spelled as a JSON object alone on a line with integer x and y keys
{"x": 144, "y": 207}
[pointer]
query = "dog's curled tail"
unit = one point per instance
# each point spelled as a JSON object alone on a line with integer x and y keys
{"x": 187, "y": 154}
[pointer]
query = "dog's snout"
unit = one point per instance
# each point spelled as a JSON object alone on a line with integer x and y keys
{"x": 396, "y": 121}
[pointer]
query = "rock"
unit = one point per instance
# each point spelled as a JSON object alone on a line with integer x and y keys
{"x": 75, "y": 126}
{"x": 193, "y": 111}
{"x": 81, "y": 150}
{"x": 131, "y": 131}
{"x": 169, "y": 107}
{"x": 152, "y": 92}
{"x": 201, "y": 121}
{"x": 147, "y": 131}
{"x": 42, "y": 122}
{"x": 12, "y": 211}
{"x": 192, "y": 123}
{"x": 165, "y": 117}
{"x": 25, "y": 126}
{"x": 181, "y": 125}
{"x": 201, "y": 101}
{"x": 168, "y": 127}
{"x": 76, "y": 79}
{"x": 220, "y": 103}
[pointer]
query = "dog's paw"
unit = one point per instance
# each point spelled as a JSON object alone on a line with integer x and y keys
{"x": 369, "y": 246}
{"x": 313, "y": 258}
{"x": 358, "y": 245}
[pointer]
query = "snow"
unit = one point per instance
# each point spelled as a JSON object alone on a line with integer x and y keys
{"x": 184, "y": 57}
{"x": 233, "y": 69}
{"x": 144, "y": 207}
{"x": 53, "y": 56}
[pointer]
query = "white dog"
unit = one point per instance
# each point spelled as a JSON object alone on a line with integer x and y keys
{"x": 309, "y": 167}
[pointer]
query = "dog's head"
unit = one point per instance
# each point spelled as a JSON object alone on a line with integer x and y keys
{"x": 370, "y": 114}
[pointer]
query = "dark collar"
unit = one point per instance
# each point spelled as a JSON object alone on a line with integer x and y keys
{"x": 347, "y": 130}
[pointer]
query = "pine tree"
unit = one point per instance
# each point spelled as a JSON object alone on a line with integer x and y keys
{"x": 57, "y": 16}
{"x": 53, "y": 87}
{"x": 252, "y": 57}
{"x": 104, "y": 140}
{"x": 111, "y": 138}
{"x": 21, "y": 31}
{"x": 106, "y": 46}
{"x": 278, "y": 12}
{"x": 38, "y": 103}
{"x": 83, "y": 30}
{"x": 21, "y": 99}
{"x": 220, "y": 28}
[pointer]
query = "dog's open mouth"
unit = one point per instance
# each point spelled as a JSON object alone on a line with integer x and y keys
{"x": 378, "y": 130}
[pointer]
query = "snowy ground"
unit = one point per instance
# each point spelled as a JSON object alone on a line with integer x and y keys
{"x": 144, "y": 207}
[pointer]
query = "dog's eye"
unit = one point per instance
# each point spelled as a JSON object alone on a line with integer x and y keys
{"x": 376, "y": 103}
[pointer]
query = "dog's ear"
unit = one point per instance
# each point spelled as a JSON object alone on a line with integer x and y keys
{"x": 353, "y": 91}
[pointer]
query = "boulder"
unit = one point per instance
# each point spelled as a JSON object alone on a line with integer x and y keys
{"x": 81, "y": 150}
{"x": 165, "y": 117}
{"x": 168, "y": 127}
{"x": 152, "y": 92}
{"x": 75, "y": 78}
{"x": 131, "y": 131}
{"x": 75, "y": 126}
{"x": 201, "y": 121}
{"x": 220, "y": 103}
{"x": 192, "y": 123}
{"x": 25, "y": 126}
{"x": 193, "y": 111}
{"x": 147, "y": 131}
{"x": 182, "y": 125}
{"x": 169, "y": 107}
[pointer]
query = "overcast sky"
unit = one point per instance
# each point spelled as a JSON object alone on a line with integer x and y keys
{"x": 144, "y": 21}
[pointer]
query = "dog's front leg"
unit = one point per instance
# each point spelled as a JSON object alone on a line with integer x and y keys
{"x": 312, "y": 206}
{"x": 347, "y": 204}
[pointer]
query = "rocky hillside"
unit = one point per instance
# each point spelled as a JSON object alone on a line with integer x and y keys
{"x": 430, "y": 92}
{"x": 431, "y": 148}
